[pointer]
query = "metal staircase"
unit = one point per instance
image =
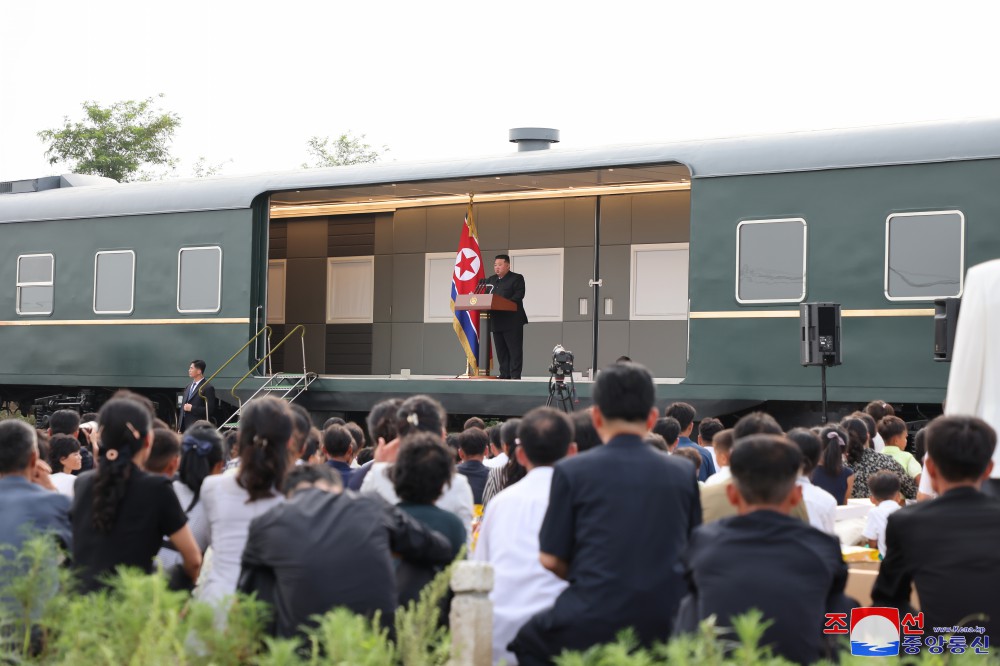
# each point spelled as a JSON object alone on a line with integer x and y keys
{"x": 283, "y": 385}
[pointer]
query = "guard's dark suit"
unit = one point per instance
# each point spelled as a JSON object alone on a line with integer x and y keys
{"x": 508, "y": 327}
{"x": 201, "y": 409}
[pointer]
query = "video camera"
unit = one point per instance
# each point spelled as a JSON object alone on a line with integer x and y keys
{"x": 562, "y": 363}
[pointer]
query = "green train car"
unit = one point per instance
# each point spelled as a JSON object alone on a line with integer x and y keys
{"x": 691, "y": 258}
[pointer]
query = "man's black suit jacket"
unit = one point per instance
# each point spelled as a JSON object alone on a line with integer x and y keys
{"x": 950, "y": 548}
{"x": 510, "y": 287}
{"x": 201, "y": 408}
{"x": 791, "y": 571}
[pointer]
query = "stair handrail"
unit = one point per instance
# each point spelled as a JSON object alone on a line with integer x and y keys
{"x": 201, "y": 387}
{"x": 301, "y": 329}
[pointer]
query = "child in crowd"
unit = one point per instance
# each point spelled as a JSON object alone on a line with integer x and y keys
{"x": 892, "y": 430}
{"x": 884, "y": 489}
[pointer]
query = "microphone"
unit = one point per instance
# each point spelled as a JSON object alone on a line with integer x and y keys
{"x": 480, "y": 286}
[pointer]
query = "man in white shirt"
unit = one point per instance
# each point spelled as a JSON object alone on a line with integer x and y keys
{"x": 508, "y": 537}
{"x": 722, "y": 445}
{"x": 884, "y": 489}
{"x": 820, "y": 505}
{"x": 503, "y": 441}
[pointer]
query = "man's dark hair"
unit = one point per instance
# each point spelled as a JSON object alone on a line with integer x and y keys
{"x": 723, "y": 441}
{"x": 883, "y": 485}
{"x": 545, "y": 435}
{"x": 623, "y": 359}
{"x": 657, "y": 442}
{"x": 337, "y": 441}
{"x": 423, "y": 466}
{"x": 765, "y": 468}
{"x": 505, "y": 257}
{"x": 920, "y": 445}
{"x": 668, "y": 428}
{"x": 333, "y": 420}
{"x": 624, "y": 392}
{"x": 64, "y": 422}
{"x": 508, "y": 432}
{"x": 166, "y": 447}
{"x": 198, "y": 363}
{"x": 960, "y": 446}
{"x": 810, "y": 446}
{"x": 17, "y": 443}
{"x": 707, "y": 429}
{"x": 879, "y": 409}
{"x": 314, "y": 440}
{"x": 692, "y": 455}
{"x": 311, "y": 474}
{"x": 683, "y": 412}
{"x": 586, "y": 436}
{"x": 381, "y": 420}
{"x": 473, "y": 442}
{"x": 756, "y": 423}
{"x": 365, "y": 455}
{"x": 474, "y": 422}
{"x": 357, "y": 433}
{"x": 889, "y": 427}
{"x": 301, "y": 425}
{"x": 60, "y": 446}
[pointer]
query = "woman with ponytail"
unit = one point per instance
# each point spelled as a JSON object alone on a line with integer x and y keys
{"x": 121, "y": 514}
{"x": 832, "y": 475}
{"x": 201, "y": 457}
{"x": 231, "y": 501}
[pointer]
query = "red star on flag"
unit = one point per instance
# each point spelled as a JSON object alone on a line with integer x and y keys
{"x": 464, "y": 264}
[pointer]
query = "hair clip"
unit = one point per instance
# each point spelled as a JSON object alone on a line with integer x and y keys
{"x": 413, "y": 419}
{"x": 260, "y": 441}
{"x": 834, "y": 435}
{"x": 131, "y": 428}
{"x": 200, "y": 446}
{"x": 111, "y": 454}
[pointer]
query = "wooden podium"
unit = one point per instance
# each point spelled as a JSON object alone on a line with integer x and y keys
{"x": 484, "y": 304}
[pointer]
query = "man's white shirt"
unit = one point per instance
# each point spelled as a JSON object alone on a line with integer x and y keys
{"x": 821, "y": 506}
{"x": 508, "y": 539}
{"x": 722, "y": 476}
{"x": 456, "y": 497}
{"x": 497, "y": 461}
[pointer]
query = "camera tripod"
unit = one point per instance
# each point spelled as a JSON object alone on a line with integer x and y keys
{"x": 560, "y": 395}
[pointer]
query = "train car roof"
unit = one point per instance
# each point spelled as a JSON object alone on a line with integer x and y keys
{"x": 797, "y": 151}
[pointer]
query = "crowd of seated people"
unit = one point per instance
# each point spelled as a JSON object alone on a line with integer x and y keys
{"x": 609, "y": 518}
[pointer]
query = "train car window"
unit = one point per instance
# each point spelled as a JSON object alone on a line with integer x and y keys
{"x": 114, "y": 282}
{"x": 771, "y": 261}
{"x": 924, "y": 255}
{"x": 199, "y": 279}
{"x": 350, "y": 290}
{"x": 35, "y": 273}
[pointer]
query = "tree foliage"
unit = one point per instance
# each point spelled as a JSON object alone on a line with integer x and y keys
{"x": 346, "y": 149}
{"x": 119, "y": 141}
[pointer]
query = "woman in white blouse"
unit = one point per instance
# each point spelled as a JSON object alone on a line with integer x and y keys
{"x": 231, "y": 501}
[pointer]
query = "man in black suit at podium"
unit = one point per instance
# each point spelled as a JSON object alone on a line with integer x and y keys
{"x": 508, "y": 327}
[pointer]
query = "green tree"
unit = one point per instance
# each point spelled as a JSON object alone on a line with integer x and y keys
{"x": 344, "y": 150}
{"x": 118, "y": 141}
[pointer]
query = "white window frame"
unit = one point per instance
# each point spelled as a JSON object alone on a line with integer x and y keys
{"x": 961, "y": 255}
{"x": 131, "y": 309}
{"x": 272, "y": 317}
{"x": 50, "y": 283}
{"x": 545, "y": 251}
{"x": 633, "y": 281}
{"x": 218, "y": 296}
{"x": 330, "y": 262}
{"x": 428, "y": 319}
{"x": 805, "y": 268}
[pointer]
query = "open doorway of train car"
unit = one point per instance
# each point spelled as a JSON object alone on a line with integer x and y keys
{"x": 367, "y": 270}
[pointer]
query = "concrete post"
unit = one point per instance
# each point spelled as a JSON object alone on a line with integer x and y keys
{"x": 472, "y": 615}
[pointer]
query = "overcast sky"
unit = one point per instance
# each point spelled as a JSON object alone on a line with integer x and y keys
{"x": 252, "y": 81}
